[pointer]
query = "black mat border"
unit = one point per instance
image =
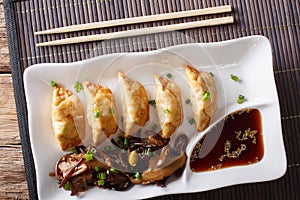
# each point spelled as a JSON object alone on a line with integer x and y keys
{"x": 17, "y": 77}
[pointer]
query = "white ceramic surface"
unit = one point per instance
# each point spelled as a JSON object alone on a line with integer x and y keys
{"x": 249, "y": 58}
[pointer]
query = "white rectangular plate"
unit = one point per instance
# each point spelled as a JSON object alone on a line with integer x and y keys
{"x": 249, "y": 58}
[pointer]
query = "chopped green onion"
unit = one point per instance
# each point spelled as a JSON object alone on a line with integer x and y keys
{"x": 137, "y": 175}
{"x": 89, "y": 156}
{"x": 126, "y": 142}
{"x": 149, "y": 152}
{"x": 53, "y": 84}
{"x": 67, "y": 186}
{"x": 234, "y": 77}
{"x": 98, "y": 175}
{"x": 114, "y": 170}
{"x": 188, "y": 101}
{"x": 72, "y": 151}
{"x": 192, "y": 121}
{"x": 154, "y": 127}
{"x": 64, "y": 129}
{"x": 169, "y": 75}
{"x": 206, "y": 96}
{"x": 152, "y": 102}
{"x": 166, "y": 110}
{"x": 97, "y": 112}
{"x": 101, "y": 182}
{"x": 101, "y": 176}
{"x": 77, "y": 86}
{"x": 241, "y": 99}
{"x": 93, "y": 150}
{"x": 211, "y": 74}
{"x": 112, "y": 110}
{"x": 97, "y": 168}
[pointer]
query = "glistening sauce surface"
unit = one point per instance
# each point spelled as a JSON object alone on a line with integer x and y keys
{"x": 239, "y": 142}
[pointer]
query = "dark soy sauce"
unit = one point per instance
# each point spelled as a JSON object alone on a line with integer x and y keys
{"x": 237, "y": 140}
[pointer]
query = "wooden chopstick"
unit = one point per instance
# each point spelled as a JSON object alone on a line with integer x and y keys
{"x": 135, "y": 20}
{"x": 136, "y": 32}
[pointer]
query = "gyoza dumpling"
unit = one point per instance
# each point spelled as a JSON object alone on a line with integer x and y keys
{"x": 67, "y": 118}
{"x": 135, "y": 104}
{"x": 203, "y": 96}
{"x": 168, "y": 105}
{"x": 101, "y": 111}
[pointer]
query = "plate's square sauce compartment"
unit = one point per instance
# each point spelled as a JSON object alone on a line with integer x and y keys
{"x": 234, "y": 141}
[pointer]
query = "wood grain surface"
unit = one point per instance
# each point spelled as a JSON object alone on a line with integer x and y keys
{"x": 13, "y": 183}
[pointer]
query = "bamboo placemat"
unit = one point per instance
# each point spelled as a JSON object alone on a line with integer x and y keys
{"x": 276, "y": 19}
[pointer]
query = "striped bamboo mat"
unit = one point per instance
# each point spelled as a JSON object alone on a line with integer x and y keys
{"x": 276, "y": 19}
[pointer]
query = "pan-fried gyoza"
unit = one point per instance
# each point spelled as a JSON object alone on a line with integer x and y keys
{"x": 168, "y": 105}
{"x": 135, "y": 104}
{"x": 101, "y": 111}
{"x": 203, "y": 96}
{"x": 67, "y": 118}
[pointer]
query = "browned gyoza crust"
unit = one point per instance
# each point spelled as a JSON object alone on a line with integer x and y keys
{"x": 135, "y": 104}
{"x": 200, "y": 82}
{"x": 67, "y": 118}
{"x": 168, "y": 105}
{"x": 101, "y": 111}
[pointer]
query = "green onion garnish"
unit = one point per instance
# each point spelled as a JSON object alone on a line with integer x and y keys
{"x": 53, "y": 84}
{"x": 67, "y": 186}
{"x": 126, "y": 142}
{"x": 64, "y": 129}
{"x": 97, "y": 114}
{"x": 137, "y": 175}
{"x": 241, "y": 99}
{"x": 152, "y": 102}
{"x": 166, "y": 110}
{"x": 77, "y": 86}
{"x": 188, "y": 101}
{"x": 101, "y": 176}
{"x": 192, "y": 121}
{"x": 97, "y": 168}
{"x": 149, "y": 152}
{"x": 93, "y": 150}
{"x": 71, "y": 151}
{"x": 169, "y": 75}
{"x": 206, "y": 96}
{"x": 234, "y": 77}
{"x": 89, "y": 156}
{"x": 112, "y": 110}
{"x": 101, "y": 182}
{"x": 211, "y": 74}
{"x": 114, "y": 170}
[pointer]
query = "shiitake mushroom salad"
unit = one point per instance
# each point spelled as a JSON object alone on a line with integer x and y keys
{"x": 118, "y": 159}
